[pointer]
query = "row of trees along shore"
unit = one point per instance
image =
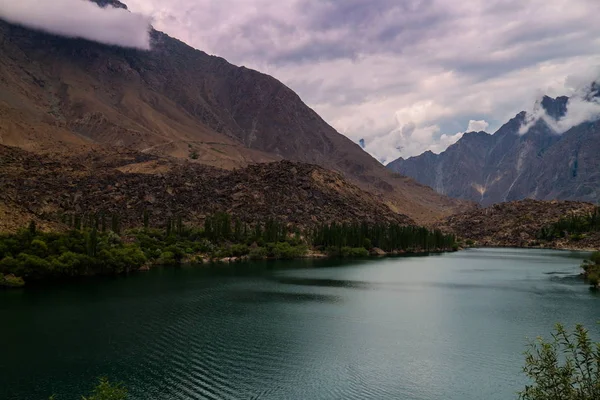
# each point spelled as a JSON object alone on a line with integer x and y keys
{"x": 98, "y": 245}
{"x": 573, "y": 227}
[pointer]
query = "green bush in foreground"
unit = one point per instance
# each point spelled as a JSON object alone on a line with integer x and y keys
{"x": 564, "y": 368}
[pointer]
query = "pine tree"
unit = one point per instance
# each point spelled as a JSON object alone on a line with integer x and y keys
{"x": 92, "y": 242}
{"x": 77, "y": 223}
{"x": 146, "y": 219}
{"x": 179, "y": 225}
{"x": 169, "y": 227}
{"x": 32, "y": 228}
{"x": 116, "y": 224}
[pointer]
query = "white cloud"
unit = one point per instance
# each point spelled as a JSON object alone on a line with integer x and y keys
{"x": 581, "y": 107}
{"x": 409, "y": 140}
{"x": 80, "y": 19}
{"x": 373, "y": 67}
{"x": 477, "y": 126}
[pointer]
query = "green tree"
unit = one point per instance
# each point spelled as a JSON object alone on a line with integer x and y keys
{"x": 591, "y": 269}
{"x": 116, "y": 224}
{"x": 146, "y": 219}
{"x": 32, "y": 228}
{"x": 169, "y": 227}
{"x": 91, "y": 242}
{"x": 564, "y": 368}
{"x": 179, "y": 225}
{"x": 77, "y": 223}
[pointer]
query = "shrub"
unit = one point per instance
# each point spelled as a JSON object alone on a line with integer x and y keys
{"x": 167, "y": 258}
{"x": 593, "y": 278}
{"x": 238, "y": 250}
{"x": 11, "y": 281}
{"x": 591, "y": 269}
{"x": 258, "y": 253}
{"x": 354, "y": 252}
{"x": 284, "y": 250}
{"x": 564, "y": 368}
{"x": 177, "y": 252}
{"x": 39, "y": 247}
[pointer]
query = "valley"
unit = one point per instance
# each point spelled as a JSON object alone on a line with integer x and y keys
{"x": 186, "y": 228}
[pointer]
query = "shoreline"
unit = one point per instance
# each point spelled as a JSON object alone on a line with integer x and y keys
{"x": 311, "y": 254}
{"x": 581, "y": 249}
{"x": 203, "y": 260}
{"x": 226, "y": 261}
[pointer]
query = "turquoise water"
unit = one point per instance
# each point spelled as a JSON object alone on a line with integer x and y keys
{"x": 449, "y": 326}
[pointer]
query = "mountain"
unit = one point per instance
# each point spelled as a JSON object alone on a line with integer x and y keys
{"x": 126, "y": 183}
{"x": 113, "y": 3}
{"x": 507, "y": 165}
{"x": 61, "y": 95}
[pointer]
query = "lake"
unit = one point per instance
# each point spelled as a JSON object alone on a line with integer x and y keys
{"x": 450, "y": 326}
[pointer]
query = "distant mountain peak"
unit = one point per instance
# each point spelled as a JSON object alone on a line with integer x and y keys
{"x": 114, "y": 3}
{"x": 540, "y": 162}
{"x": 476, "y": 133}
{"x": 555, "y": 107}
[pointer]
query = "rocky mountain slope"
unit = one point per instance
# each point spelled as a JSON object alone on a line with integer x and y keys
{"x": 518, "y": 224}
{"x": 59, "y": 94}
{"x": 509, "y": 166}
{"x": 127, "y": 183}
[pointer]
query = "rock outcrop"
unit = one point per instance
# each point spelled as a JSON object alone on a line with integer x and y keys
{"x": 518, "y": 224}
{"x": 45, "y": 189}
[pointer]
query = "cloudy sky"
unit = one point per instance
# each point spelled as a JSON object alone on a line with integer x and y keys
{"x": 405, "y": 75}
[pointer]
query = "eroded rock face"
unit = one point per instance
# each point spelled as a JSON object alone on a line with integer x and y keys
{"x": 518, "y": 223}
{"x": 297, "y": 193}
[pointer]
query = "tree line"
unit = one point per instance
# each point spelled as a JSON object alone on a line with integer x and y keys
{"x": 96, "y": 244}
{"x": 388, "y": 237}
{"x": 572, "y": 226}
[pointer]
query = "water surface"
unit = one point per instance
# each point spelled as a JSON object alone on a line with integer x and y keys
{"x": 449, "y": 326}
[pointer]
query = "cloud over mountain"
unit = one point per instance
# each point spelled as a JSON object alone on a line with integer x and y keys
{"x": 368, "y": 65}
{"x": 582, "y": 106}
{"x": 80, "y": 19}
